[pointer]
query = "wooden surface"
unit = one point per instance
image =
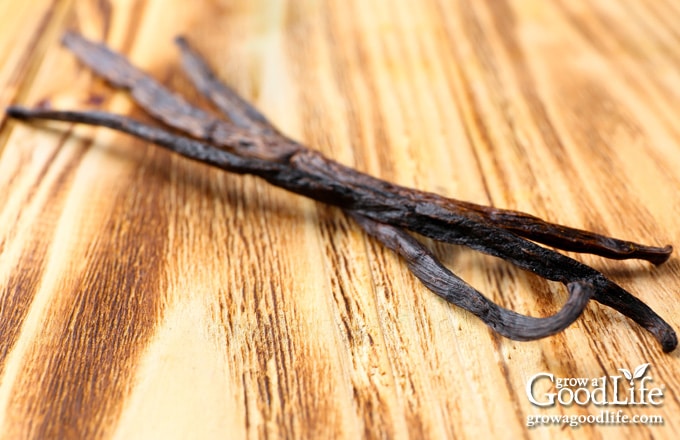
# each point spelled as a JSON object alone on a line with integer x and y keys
{"x": 144, "y": 296}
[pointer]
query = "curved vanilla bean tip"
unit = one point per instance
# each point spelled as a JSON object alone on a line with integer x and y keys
{"x": 450, "y": 287}
{"x": 668, "y": 339}
{"x": 616, "y": 297}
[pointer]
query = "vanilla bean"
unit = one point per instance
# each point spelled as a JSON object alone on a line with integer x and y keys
{"x": 420, "y": 261}
{"x": 250, "y": 144}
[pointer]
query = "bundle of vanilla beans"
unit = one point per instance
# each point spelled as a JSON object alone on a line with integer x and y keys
{"x": 244, "y": 141}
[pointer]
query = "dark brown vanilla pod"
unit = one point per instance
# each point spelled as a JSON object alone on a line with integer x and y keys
{"x": 249, "y": 143}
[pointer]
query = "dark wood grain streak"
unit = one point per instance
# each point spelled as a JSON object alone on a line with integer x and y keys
{"x": 103, "y": 312}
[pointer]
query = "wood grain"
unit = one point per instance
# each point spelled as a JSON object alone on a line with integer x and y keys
{"x": 144, "y": 296}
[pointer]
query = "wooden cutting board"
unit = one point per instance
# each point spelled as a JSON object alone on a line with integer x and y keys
{"x": 145, "y": 296}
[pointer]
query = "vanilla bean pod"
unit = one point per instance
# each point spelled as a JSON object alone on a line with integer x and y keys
{"x": 250, "y": 144}
{"x": 420, "y": 261}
